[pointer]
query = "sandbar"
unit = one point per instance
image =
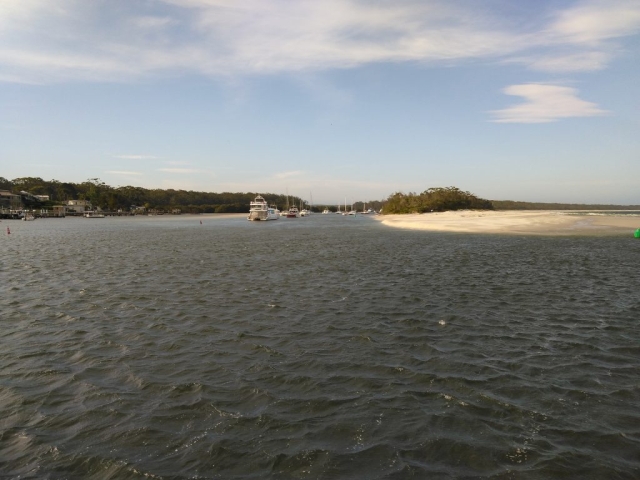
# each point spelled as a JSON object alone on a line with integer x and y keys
{"x": 518, "y": 222}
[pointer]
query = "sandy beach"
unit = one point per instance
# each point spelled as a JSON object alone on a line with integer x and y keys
{"x": 516, "y": 222}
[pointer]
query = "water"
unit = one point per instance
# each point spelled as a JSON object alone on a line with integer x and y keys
{"x": 323, "y": 347}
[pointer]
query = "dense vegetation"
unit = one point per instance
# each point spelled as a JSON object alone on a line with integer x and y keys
{"x": 110, "y": 198}
{"x": 435, "y": 200}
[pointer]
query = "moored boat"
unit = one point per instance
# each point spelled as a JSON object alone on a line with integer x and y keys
{"x": 293, "y": 212}
{"x": 260, "y": 210}
{"x": 92, "y": 214}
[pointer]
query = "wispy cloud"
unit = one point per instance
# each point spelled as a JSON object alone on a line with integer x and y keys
{"x": 43, "y": 41}
{"x": 151, "y": 22}
{"x": 592, "y": 22}
{"x": 123, "y": 172}
{"x": 179, "y": 170}
{"x": 587, "y": 61}
{"x": 136, "y": 157}
{"x": 177, "y": 163}
{"x": 545, "y": 103}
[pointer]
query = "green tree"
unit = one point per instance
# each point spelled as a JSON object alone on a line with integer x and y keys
{"x": 5, "y": 184}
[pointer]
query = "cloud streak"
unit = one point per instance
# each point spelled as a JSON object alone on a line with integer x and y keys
{"x": 123, "y": 172}
{"x": 587, "y": 61}
{"x": 545, "y": 103}
{"x": 136, "y": 157}
{"x": 592, "y": 22}
{"x": 74, "y": 40}
{"x": 178, "y": 170}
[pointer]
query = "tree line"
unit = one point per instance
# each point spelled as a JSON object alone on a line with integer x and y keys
{"x": 124, "y": 198}
{"x": 188, "y": 201}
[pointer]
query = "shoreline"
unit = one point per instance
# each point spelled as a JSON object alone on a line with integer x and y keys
{"x": 517, "y": 222}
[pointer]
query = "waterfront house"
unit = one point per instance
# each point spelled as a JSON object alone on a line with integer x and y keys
{"x": 10, "y": 201}
{"x": 78, "y": 206}
{"x": 59, "y": 210}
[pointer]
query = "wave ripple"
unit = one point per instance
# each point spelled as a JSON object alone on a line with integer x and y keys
{"x": 320, "y": 348}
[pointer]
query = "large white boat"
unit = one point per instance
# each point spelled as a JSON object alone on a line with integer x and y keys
{"x": 259, "y": 209}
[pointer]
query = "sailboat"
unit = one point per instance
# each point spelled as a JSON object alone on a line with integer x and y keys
{"x": 305, "y": 212}
{"x": 367, "y": 211}
{"x": 290, "y": 212}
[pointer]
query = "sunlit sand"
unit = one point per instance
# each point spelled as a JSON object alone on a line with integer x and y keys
{"x": 517, "y": 222}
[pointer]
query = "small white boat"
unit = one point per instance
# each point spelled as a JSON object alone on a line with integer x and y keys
{"x": 260, "y": 210}
{"x": 366, "y": 211}
{"x": 93, "y": 215}
{"x": 28, "y": 218}
{"x": 346, "y": 212}
{"x": 304, "y": 212}
{"x": 325, "y": 211}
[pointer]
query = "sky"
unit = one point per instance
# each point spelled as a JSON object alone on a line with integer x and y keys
{"x": 529, "y": 100}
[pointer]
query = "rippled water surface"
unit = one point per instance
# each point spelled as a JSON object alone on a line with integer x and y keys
{"x": 322, "y": 347}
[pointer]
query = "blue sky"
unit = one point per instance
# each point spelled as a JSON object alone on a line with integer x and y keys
{"x": 522, "y": 100}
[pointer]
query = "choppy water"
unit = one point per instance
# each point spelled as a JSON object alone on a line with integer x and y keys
{"x": 323, "y": 347}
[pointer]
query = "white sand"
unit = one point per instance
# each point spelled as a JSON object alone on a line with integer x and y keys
{"x": 517, "y": 222}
